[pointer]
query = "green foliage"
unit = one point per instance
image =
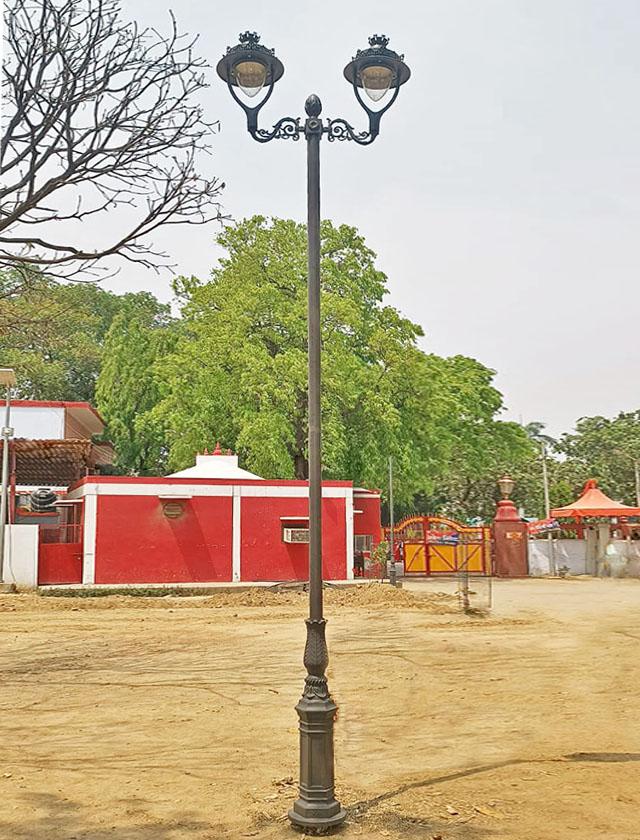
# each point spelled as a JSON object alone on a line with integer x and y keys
{"x": 233, "y": 367}
{"x": 130, "y": 385}
{"x": 485, "y": 450}
{"x": 239, "y": 369}
{"x": 52, "y": 333}
{"x": 607, "y": 450}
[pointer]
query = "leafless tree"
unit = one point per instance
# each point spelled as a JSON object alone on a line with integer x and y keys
{"x": 99, "y": 116}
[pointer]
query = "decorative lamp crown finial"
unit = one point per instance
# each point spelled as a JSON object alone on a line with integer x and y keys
{"x": 590, "y": 484}
{"x": 217, "y": 450}
{"x": 206, "y": 451}
{"x": 249, "y": 39}
{"x": 378, "y": 41}
{"x": 313, "y": 106}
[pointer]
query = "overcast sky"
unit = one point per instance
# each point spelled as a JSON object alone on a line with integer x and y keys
{"x": 502, "y": 196}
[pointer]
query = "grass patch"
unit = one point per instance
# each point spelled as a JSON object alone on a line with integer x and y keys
{"x": 134, "y": 591}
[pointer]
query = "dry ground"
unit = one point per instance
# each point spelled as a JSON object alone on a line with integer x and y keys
{"x": 172, "y": 718}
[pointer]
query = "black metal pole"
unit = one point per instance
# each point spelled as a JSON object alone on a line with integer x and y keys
{"x": 316, "y": 806}
{"x": 392, "y": 559}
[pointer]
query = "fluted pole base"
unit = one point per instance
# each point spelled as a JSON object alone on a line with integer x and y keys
{"x": 316, "y": 806}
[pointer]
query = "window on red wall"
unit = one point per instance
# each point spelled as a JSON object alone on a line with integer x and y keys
{"x": 363, "y": 542}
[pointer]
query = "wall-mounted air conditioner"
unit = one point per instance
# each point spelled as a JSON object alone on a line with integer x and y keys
{"x": 295, "y": 535}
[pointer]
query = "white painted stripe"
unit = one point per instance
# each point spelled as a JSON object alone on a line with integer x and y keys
{"x": 349, "y": 535}
{"x": 275, "y": 492}
{"x": 158, "y": 490}
{"x": 236, "y": 537}
{"x": 89, "y": 539}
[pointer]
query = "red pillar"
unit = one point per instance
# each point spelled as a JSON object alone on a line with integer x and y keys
{"x": 510, "y": 542}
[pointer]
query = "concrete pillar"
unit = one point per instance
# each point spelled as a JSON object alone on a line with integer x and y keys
{"x": 591, "y": 564}
{"x": 510, "y": 542}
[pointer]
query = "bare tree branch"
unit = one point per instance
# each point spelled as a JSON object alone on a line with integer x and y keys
{"x": 98, "y": 114}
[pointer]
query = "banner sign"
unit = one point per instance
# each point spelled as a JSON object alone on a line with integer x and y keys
{"x": 543, "y": 526}
{"x": 442, "y": 537}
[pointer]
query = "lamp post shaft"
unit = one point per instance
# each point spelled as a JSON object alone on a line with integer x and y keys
{"x": 316, "y": 806}
{"x": 314, "y": 382}
{"x": 392, "y": 559}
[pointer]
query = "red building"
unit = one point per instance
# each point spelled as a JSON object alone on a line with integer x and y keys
{"x": 215, "y": 522}
{"x": 211, "y": 522}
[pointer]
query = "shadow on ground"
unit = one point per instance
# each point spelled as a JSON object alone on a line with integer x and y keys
{"x": 44, "y": 815}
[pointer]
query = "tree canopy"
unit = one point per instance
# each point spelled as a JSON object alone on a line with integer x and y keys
{"x": 131, "y": 384}
{"x": 53, "y": 333}
{"x": 609, "y": 450}
{"x": 232, "y": 366}
{"x": 238, "y": 371}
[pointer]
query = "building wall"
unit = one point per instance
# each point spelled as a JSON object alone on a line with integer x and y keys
{"x": 21, "y": 555}
{"x": 569, "y": 553}
{"x": 264, "y": 556}
{"x": 75, "y": 428}
{"x": 366, "y": 515}
{"x": 137, "y": 543}
{"x": 38, "y": 422}
{"x": 227, "y": 531}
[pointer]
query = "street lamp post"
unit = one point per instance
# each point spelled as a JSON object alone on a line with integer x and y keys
{"x": 7, "y": 378}
{"x": 252, "y": 69}
{"x": 392, "y": 525}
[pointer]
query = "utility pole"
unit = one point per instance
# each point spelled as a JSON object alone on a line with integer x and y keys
{"x": 547, "y": 509}
{"x": 392, "y": 559}
{"x": 7, "y": 378}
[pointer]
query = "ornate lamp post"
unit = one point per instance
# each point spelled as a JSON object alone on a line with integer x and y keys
{"x": 252, "y": 69}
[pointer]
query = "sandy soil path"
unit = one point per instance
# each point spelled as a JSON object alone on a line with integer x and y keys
{"x": 159, "y": 719}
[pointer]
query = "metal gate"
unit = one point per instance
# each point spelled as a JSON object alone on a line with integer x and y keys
{"x": 435, "y": 545}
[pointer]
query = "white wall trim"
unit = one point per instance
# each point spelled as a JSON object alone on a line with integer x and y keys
{"x": 89, "y": 538}
{"x": 160, "y": 490}
{"x": 349, "y": 535}
{"x": 275, "y": 491}
{"x": 236, "y": 536}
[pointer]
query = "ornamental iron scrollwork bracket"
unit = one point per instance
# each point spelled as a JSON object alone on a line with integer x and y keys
{"x": 288, "y": 128}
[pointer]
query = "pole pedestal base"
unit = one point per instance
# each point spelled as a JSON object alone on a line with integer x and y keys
{"x": 316, "y": 807}
{"x": 317, "y": 822}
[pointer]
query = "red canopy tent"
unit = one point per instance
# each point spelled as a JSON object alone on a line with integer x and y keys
{"x": 593, "y": 502}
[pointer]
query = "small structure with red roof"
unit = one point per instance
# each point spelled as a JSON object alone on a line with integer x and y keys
{"x": 593, "y": 502}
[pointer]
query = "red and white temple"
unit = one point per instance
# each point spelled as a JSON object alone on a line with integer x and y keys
{"x": 211, "y": 522}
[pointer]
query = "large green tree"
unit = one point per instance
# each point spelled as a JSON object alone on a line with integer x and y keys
{"x": 238, "y": 372}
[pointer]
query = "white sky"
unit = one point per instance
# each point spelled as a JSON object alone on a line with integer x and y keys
{"x": 502, "y": 196}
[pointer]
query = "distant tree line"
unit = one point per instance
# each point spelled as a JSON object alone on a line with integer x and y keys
{"x": 231, "y": 366}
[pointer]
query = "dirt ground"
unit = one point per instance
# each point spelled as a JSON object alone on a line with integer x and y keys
{"x": 172, "y": 718}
